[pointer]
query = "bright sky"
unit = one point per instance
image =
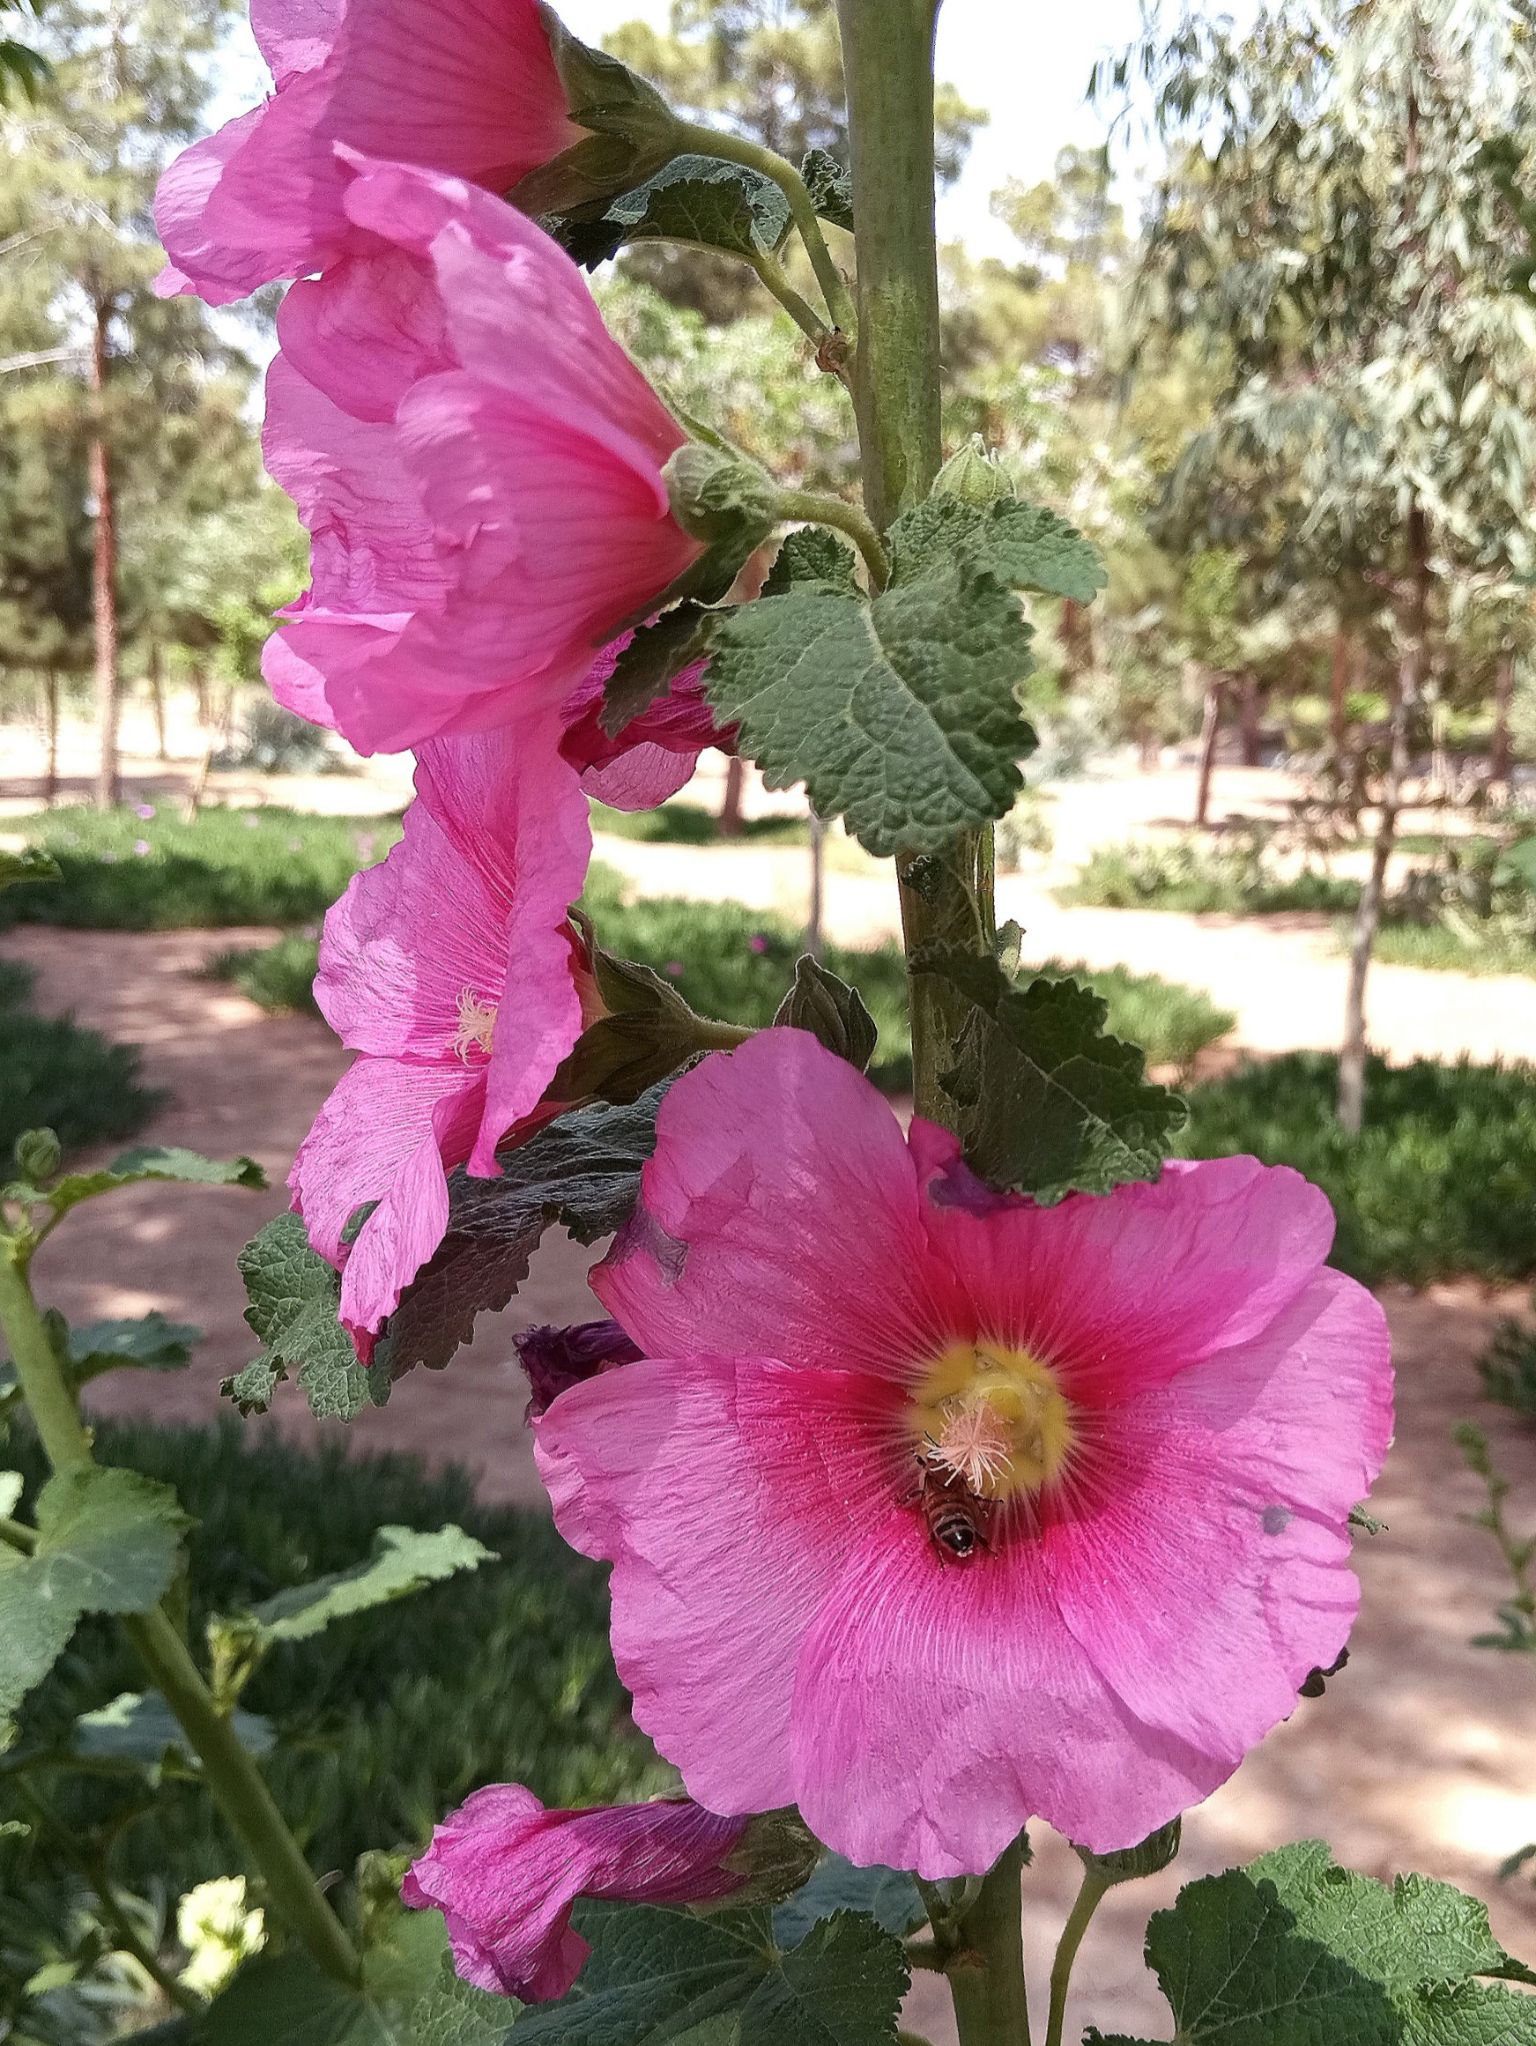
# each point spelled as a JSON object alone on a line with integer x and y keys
{"x": 1027, "y": 66}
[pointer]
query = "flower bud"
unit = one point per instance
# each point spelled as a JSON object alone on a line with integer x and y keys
{"x": 974, "y": 475}
{"x": 718, "y": 496}
{"x": 38, "y": 1156}
{"x": 555, "y": 1359}
{"x": 1130, "y": 1864}
{"x": 775, "y": 1856}
{"x": 632, "y": 130}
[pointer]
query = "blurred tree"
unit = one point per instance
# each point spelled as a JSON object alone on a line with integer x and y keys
{"x": 1326, "y": 231}
{"x": 143, "y": 387}
{"x": 771, "y": 69}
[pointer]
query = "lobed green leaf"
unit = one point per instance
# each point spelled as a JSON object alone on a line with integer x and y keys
{"x": 899, "y": 714}
{"x": 294, "y": 1300}
{"x": 1049, "y": 1104}
{"x": 1020, "y": 545}
{"x": 404, "y": 1560}
{"x": 155, "y": 1162}
{"x": 140, "y": 1731}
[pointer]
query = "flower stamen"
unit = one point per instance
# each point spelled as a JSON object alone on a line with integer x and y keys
{"x": 477, "y": 1021}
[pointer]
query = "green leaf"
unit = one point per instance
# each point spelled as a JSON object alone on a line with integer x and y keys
{"x": 898, "y": 715}
{"x": 151, "y": 1162}
{"x": 656, "y": 655}
{"x": 1048, "y": 1103}
{"x": 403, "y": 1560}
{"x": 696, "y": 199}
{"x": 140, "y": 1731}
{"x": 108, "y": 1541}
{"x": 294, "y": 1302}
{"x": 146, "y": 1343}
{"x": 830, "y": 186}
{"x": 1019, "y": 545}
{"x": 29, "y": 863}
{"x": 581, "y": 1171}
{"x": 831, "y": 1010}
{"x": 888, "y": 1895}
{"x": 409, "y": 1997}
{"x": 1293, "y": 1951}
{"x": 663, "y": 1977}
{"x": 813, "y": 558}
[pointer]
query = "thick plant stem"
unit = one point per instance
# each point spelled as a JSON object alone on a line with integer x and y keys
{"x": 888, "y": 65}
{"x": 237, "y": 1785}
{"x": 986, "y": 1976}
{"x": 1089, "y": 1897}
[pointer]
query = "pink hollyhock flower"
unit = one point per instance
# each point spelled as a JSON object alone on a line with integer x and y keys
{"x": 931, "y": 1510}
{"x": 458, "y": 86}
{"x": 479, "y": 466}
{"x": 656, "y": 753}
{"x": 415, "y": 963}
{"x": 505, "y": 1873}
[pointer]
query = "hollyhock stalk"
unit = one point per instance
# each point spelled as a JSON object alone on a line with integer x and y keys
{"x": 887, "y": 48}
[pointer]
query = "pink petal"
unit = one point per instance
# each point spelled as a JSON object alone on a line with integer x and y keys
{"x": 655, "y": 754}
{"x": 407, "y": 940}
{"x": 779, "y": 1215}
{"x": 727, "y": 1493}
{"x": 1205, "y": 1257}
{"x": 366, "y": 331}
{"x": 505, "y": 1873}
{"x": 295, "y": 35}
{"x": 518, "y": 820}
{"x": 388, "y": 1132}
{"x": 209, "y": 234}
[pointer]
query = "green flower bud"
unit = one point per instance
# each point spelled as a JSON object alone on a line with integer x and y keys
{"x": 38, "y": 1156}
{"x": 719, "y": 496}
{"x": 1154, "y": 1854}
{"x": 633, "y": 130}
{"x": 777, "y": 1854}
{"x": 973, "y": 475}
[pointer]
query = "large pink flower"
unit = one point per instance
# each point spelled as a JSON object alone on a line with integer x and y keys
{"x": 931, "y": 1510}
{"x": 656, "y": 753}
{"x": 478, "y": 463}
{"x": 452, "y": 970}
{"x": 505, "y": 1872}
{"x": 458, "y": 85}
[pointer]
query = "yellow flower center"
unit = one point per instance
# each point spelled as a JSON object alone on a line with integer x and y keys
{"x": 477, "y": 1020}
{"x": 992, "y": 1417}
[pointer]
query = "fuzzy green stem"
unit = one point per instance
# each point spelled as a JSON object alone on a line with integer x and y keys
{"x": 695, "y": 137}
{"x": 1089, "y": 1897}
{"x": 237, "y": 1785}
{"x": 822, "y": 510}
{"x": 986, "y": 1974}
{"x": 771, "y": 275}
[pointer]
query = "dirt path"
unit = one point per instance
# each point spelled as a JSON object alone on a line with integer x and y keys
{"x": 1422, "y": 1754}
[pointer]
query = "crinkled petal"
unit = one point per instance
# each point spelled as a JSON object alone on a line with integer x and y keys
{"x": 366, "y": 331}
{"x": 727, "y": 1493}
{"x": 505, "y": 1873}
{"x": 388, "y": 1132}
{"x": 219, "y": 250}
{"x": 779, "y": 1214}
{"x": 518, "y": 820}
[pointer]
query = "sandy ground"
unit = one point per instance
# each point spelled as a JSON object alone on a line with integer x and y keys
{"x": 1421, "y": 1755}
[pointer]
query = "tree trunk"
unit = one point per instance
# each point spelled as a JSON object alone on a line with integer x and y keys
{"x": 1499, "y": 757}
{"x": 1248, "y": 721}
{"x": 1075, "y": 632}
{"x": 104, "y": 569}
{"x": 1338, "y": 696}
{"x": 157, "y": 699}
{"x": 1406, "y": 691}
{"x": 200, "y": 690}
{"x": 51, "y": 736}
{"x": 1210, "y": 731}
{"x": 1147, "y": 749}
{"x": 730, "y": 807}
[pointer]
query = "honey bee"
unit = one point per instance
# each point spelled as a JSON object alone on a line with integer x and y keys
{"x": 958, "y": 1518}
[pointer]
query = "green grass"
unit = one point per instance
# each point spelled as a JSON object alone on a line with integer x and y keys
{"x": 59, "y": 1076}
{"x": 736, "y": 963}
{"x": 1441, "y": 1182}
{"x": 124, "y": 872}
{"x": 1444, "y": 948}
{"x": 391, "y": 1717}
{"x": 691, "y": 824}
{"x": 1200, "y": 879}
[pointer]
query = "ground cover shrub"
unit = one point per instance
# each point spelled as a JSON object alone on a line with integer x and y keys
{"x": 1508, "y": 1366}
{"x": 732, "y": 961}
{"x": 1441, "y": 1181}
{"x": 54, "y": 1074}
{"x": 1483, "y": 948}
{"x": 390, "y": 1717}
{"x": 692, "y": 824}
{"x": 127, "y": 870}
{"x": 1239, "y": 878}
